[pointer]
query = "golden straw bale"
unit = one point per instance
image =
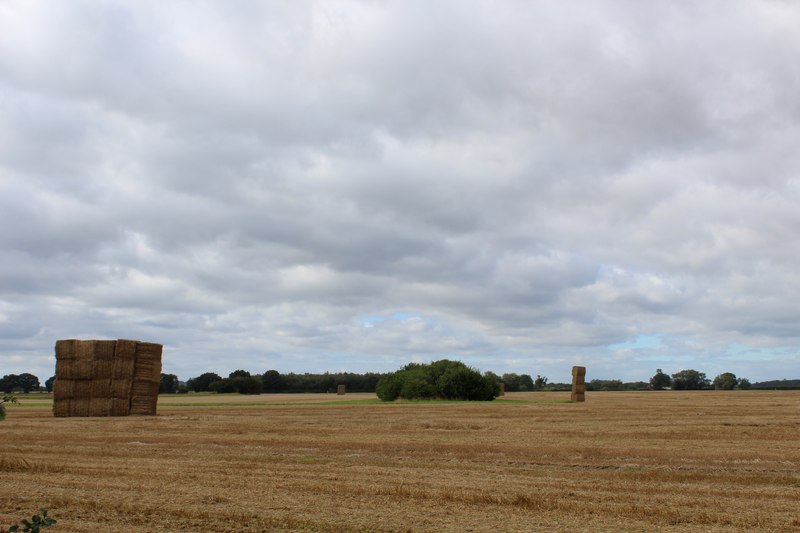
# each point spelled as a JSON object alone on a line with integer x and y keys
{"x": 62, "y": 407}
{"x": 145, "y": 389}
{"x": 120, "y": 406}
{"x": 105, "y": 350}
{"x": 83, "y": 389}
{"x": 142, "y": 405}
{"x": 148, "y": 361}
{"x": 578, "y": 397}
{"x": 83, "y": 360}
{"x": 102, "y": 369}
{"x": 63, "y": 389}
{"x": 125, "y": 350}
{"x": 340, "y": 390}
{"x": 100, "y": 407}
{"x": 82, "y": 369}
{"x": 66, "y": 349}
{"x": 121, "y": 388}
{"x": 101, "y": 388}
{"x": 502, "y": 389}
{"x": 66, "y": 368}
{"x": 578, "y": 371}
{"x": 80, "y": 406}
{"x": 146, "y": 371}
{"x": 123, "y": 369}
{"x": 148, "y": 351}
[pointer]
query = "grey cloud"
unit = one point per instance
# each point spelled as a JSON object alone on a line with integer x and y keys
{"x": 528, "y": 185}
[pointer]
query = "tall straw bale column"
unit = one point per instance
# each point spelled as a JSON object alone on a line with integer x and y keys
{"x": 578, "y": 384}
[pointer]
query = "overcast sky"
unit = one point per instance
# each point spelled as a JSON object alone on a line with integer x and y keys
{"x": 330, "y": 186}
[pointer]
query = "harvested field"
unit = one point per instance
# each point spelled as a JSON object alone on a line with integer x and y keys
{"x": 651, "y": 461}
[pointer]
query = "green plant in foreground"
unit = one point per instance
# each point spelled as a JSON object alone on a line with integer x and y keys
{"x": 9, "y": 399}
{"x": 35, "y": 524}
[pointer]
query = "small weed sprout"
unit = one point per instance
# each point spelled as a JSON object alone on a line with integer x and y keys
{"x": 6, "y": 399}
{"x": 36, "y": 522}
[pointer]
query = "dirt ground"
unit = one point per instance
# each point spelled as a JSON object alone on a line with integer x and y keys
{"x": 621, "y": 461}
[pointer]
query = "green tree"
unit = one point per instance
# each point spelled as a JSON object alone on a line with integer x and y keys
{"x": 48, "y": 385}
{"x": 27, "y": 382}
{"x": 239, "y": 374}
{"x": 389, "y": 387}
{"x": 169, "y": 384}
{"x": 725, "y": 381}
{"x": 540, "y": 382}
{"x": 444, "y": 379}
{"x": 240, "y": 384}
{"x": 272, "y": 381}
{"x": 6, "y": 399}
{"x": 202, "y": 382}
{"x": 248, "y": 385}
{"x": 605, "y": 385}
{"x": 517, "y": 382}
{"x": 743, "y": 383}
{"x": 491, "y": 375}
{"x": 690, "y": 380}
{"x": 9, "y": 383}
{"x": 660, "y": 380}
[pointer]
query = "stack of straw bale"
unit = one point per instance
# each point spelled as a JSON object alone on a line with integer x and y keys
{"x": 502, "y": 389}
{"x": 340, "y": 390}
{"x": 106, "y": 378}
{"x": 578, "y": 384}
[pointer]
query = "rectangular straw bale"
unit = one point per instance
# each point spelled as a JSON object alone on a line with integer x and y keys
{"x": 105, "y": 350}
{"x": 144, "y": 389}
{"x": 578, "y": 371}
{"x": 62, "y": 407}
{"x": 63, "y": 389}
{"x": 121, "y": 388}
{"x": 148, "y": 362}
{"x": 80, "y": 406}
{"x": 82, "y": 369}
{"x": 123, "y": 369}
{"x": 66, "y": 350}
{"x": 101, "y": 388}
{"x": 125, "y": 350}
{"x": 66, "y": 368}
{"x": 83, "y": 360}
{"x": 102, "y": 369}
{"x": 148, "y": 351}
{"x": 83, "y": 389}
{"x": 340, "y": 390}
{"x": 502, "y": 389}
{"x": 100, "y": 407}
{"x": 120, "y": 406}
{"x": 142, "y": 405}
{"x": 146, "y": 371}
{"x": 578, "y": 397}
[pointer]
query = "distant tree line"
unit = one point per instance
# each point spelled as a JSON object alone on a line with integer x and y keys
{"x": 273, "y": 381}
{"x": 24, "y": 382}
{"x": 690, "y": 379}
{"x": 244, "y": 382}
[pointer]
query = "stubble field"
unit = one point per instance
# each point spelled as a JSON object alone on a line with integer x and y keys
{"x": 650, "y": 461}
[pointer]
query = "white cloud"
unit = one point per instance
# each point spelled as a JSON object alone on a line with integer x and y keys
{"x": 536, "y": 183}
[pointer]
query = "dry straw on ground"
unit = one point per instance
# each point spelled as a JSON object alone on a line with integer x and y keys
{"x": 626, "y": 461}
{"x": 106, "y": 378}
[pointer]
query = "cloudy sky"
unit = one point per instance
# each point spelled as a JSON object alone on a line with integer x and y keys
{"x": 312, "y": 186}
